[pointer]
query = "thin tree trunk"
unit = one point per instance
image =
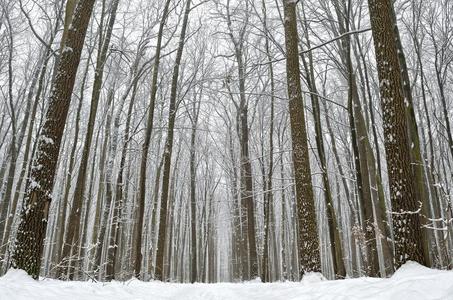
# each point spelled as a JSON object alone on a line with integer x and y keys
{"x": 269, "y": 228}
{"x": 119, "y": 203}
{"x": 13, "y": 151}
{"x": 146, "y": 144}
{"x": 160, "y": 275}
{"x": 108, "y": 182}
{"x": 193, "y": 196}
{"x": 309, "y": 252}
{"x": 332, "y": 221}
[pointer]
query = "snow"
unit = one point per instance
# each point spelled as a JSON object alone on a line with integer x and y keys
{"x": 67, "y": 49}
{"x": 45, "y": 139}
{"x": 412, "y": 281}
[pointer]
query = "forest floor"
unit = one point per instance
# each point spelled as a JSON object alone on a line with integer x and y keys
{"x": 411, "y": 282}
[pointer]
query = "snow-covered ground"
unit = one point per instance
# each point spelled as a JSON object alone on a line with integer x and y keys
{"x": 411, "y": 282}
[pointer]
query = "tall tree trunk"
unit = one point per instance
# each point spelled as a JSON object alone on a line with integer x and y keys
{"x": 429, "y": 163}
{"x": 70, "y": 172}
{"x": 72, "y": 236}
{"x": 107, "y": 203}
{"x": 352, "y": 207}
{"x": 146, "y": 144}
{"x": 405, "y": 211}
{"x": 308, "y": 231}
{"x": 247, "y": 209}
{"x": 418, "y": 167}
{"x": 32, "y": 228}
{"x": 193, "y": 196}
{"x": 358, "y": 137}
{"x": 13, "y": 151}
{"x": 374, "y": 208}
{"x": 119, "y": 203}
{"x": 269, "y": 195}
{"x": 160, "y": 275}
{"x": 332, "y": 221}
{"x": 363, "y": 172}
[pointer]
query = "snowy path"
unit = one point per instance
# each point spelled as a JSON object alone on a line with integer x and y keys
{"x": 411, "y": 282}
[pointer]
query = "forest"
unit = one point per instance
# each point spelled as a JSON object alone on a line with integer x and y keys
{"x": 225, "y": 140}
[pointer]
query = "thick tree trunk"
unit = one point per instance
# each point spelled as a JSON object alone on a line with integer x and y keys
{"x": 72, "y": 239}
{"x": 32, "y": 228}
{"x": 418, "y": 167}
{"x": 405, "y": 210}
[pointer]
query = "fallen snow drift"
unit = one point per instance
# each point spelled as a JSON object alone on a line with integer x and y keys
{"x": 412, "y": 281}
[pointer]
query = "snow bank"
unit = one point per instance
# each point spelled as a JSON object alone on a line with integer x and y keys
{"x": 15, "y": 275}
{"x": 412, "y": 282}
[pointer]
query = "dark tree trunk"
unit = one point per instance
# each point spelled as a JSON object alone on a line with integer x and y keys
{"x": 405, "y": 210}
{"x": 308, "y": 231}
{"x": 193, "y": 196}
{"x": 146, "y": 144}
{"x": 72, "y": 239}
{"x": 332, "y": 222}
{"x": 160, "y": 275}
{"x": 32, "y": 228}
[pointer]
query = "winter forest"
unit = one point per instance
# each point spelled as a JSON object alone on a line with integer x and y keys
{"x": 225, "y": 140}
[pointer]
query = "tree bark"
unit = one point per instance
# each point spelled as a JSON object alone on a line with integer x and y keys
{"x": 308, "y": 231}
{"x": 332, "y": 221}
{"x": 72, "y": 236}
{"x": 405, "y": 211}
{"x": 32, "y": 228}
